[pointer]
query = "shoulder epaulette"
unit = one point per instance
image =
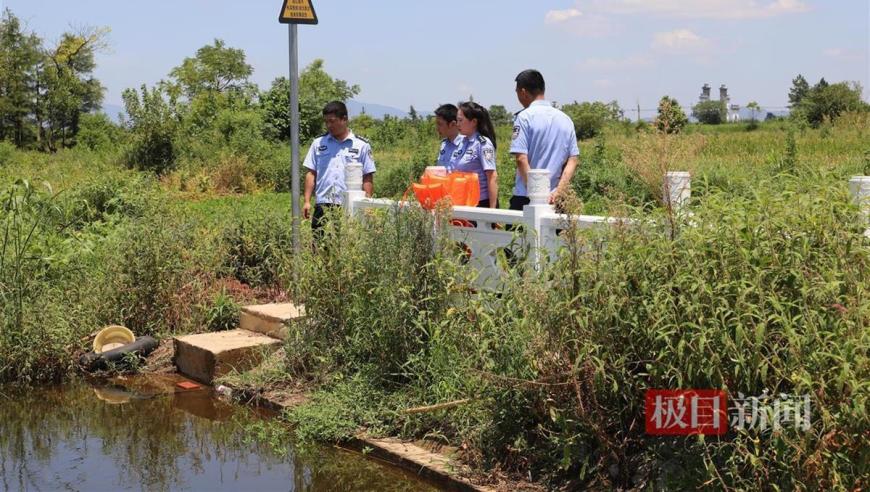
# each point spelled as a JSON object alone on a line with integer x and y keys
{"x": 481, "y": 139}
{"x": 363, "y": 139}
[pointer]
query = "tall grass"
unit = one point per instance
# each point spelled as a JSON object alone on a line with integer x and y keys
{"x": 766, "y": 292}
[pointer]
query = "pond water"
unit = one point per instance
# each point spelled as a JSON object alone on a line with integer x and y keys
{"x": 143, "y": 434}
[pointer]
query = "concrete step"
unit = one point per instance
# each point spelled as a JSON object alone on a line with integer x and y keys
{"x": 271, "y": 319}
{"x": 211, "y": 355}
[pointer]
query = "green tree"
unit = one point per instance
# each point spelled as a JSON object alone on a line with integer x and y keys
{"x": 413, "y": 115}
{"x": 66, "y": 87}
{"x": 499, "y": 115}
{"x": 152, "y": 120}
{"x": 828, "y": 101}
{"x": 710, "y": 112}
{"x": 215, "y": 68}
{"x": 754, "y": 107}
{"x": 316, "y": 89}
{"x": 799, "y": 89}
{"x": 98, "y": 132}
{"x": 590, "y": 117}
{"x": 671, "y": 118}
{"x": 20, "y": 57}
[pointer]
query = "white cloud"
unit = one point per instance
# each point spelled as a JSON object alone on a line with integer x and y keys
{"x": 708, "y": 9}
{"x": 679, "y": 41}
{"x": 580, "y": 24}
{"x": 612, "y": 64}
{"x": 558, "y": 16}
{"x": 845, "y": 54}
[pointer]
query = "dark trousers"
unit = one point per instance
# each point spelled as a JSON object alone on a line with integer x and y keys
{"x": 320, "y": 218}
{"x": 518, "y": 202}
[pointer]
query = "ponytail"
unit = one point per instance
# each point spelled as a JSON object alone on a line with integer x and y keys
{"x": 474, "y": 111}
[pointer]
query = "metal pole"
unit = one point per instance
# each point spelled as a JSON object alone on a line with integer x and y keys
{"x": 294, "y": 134}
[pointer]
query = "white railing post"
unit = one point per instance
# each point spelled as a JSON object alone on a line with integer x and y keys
{"x": 538, "y": 187}
{"x": 859, "y": 186}
{"x": 677, "y": 190}
{"x": 353, "y": 179}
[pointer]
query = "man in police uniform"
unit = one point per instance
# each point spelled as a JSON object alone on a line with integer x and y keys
{"x": 543, "y": 138}
{"x": 448, "y": 130}
{"x": 326, "y": 161}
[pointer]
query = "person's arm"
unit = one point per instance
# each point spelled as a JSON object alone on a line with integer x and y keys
{"x": 523, "y": 167}
{"x": 490, "y": 169}
{"x": 492, "y": 185}
{"x": 520, "y": 148}
{"x": 310, "y": 177}
{"x": 369, "y": 184}
{"x": 368, "y": 171}
{"x": 565, "y": 180}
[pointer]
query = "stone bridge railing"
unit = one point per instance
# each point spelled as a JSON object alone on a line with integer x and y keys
{"x": 538, "y": 222}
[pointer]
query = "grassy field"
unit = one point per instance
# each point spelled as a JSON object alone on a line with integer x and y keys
{"x": 768, "y": 290}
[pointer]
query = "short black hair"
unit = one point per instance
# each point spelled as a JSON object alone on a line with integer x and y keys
{"x": 446, "y": 112}
{"x": 532, "y": 81}
{"x": 335, "y": 108}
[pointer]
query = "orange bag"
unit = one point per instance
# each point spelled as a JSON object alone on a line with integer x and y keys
{"x": 428, "y": 195}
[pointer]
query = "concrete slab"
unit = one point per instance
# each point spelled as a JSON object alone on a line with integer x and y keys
{"x": 211, "y": 355}
{"x": 433, "y": 466}
{"x": 272, "y": 320}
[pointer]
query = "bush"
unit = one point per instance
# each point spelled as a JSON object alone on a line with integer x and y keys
{"x": 223, "y": 313}
{"x": 710, "y": 112}
{"x": 671, "y": 118}
{"x": 590, "y": 117}
{"x": 98, "y": 133}
{"x": 827, "y": 102}
{"x": 255, "y": 247}
{"x": 7, "y": 152}
{"x": 152, "y": 125}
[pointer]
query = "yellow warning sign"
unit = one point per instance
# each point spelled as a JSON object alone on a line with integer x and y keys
{"x": 298, "y": 12}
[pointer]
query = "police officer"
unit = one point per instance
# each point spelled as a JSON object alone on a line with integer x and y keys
{"x": 477, "y": 152}
{"x": 543, "y": 138}
{"x": 326, "y": 161}
{"x": 445, "y": 123}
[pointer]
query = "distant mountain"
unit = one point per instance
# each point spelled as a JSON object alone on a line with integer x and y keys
{"x": 377, "y": 111}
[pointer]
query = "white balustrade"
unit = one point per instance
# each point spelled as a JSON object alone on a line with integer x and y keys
{"x": 534, "y": 230}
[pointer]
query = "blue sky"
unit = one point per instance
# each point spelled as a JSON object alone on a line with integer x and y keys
{"x": 404, "y": 52}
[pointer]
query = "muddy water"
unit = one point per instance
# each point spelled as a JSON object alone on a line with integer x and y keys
{"x": 146, "y": 435}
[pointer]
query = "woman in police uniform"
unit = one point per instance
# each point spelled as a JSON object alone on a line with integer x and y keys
{"x": 477, "y": 152}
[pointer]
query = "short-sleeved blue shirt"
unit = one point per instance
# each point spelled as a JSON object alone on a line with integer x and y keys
{"x": 449, "y": 153}
{"x": 546, "y": 135}
{"x": 328, "y": 157}
{"x": 477, "y": 155}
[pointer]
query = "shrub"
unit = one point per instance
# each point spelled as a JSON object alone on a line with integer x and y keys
{"x": 7, "y": 152}
{"x": 590, "y": 117}
{"x": 223, "y": 313}
{"x": 671, "y": 118}
{"x": 255, "y": 246}
{"x": 98, "y": 133}
{"x": 711, "y": 112}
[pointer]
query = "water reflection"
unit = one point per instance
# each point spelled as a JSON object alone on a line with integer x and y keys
{"x": 140, "y": 434}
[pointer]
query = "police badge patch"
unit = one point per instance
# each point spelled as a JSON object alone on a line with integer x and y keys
{"x": 516, "y": 132}
{"x": 489, "y": 154}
